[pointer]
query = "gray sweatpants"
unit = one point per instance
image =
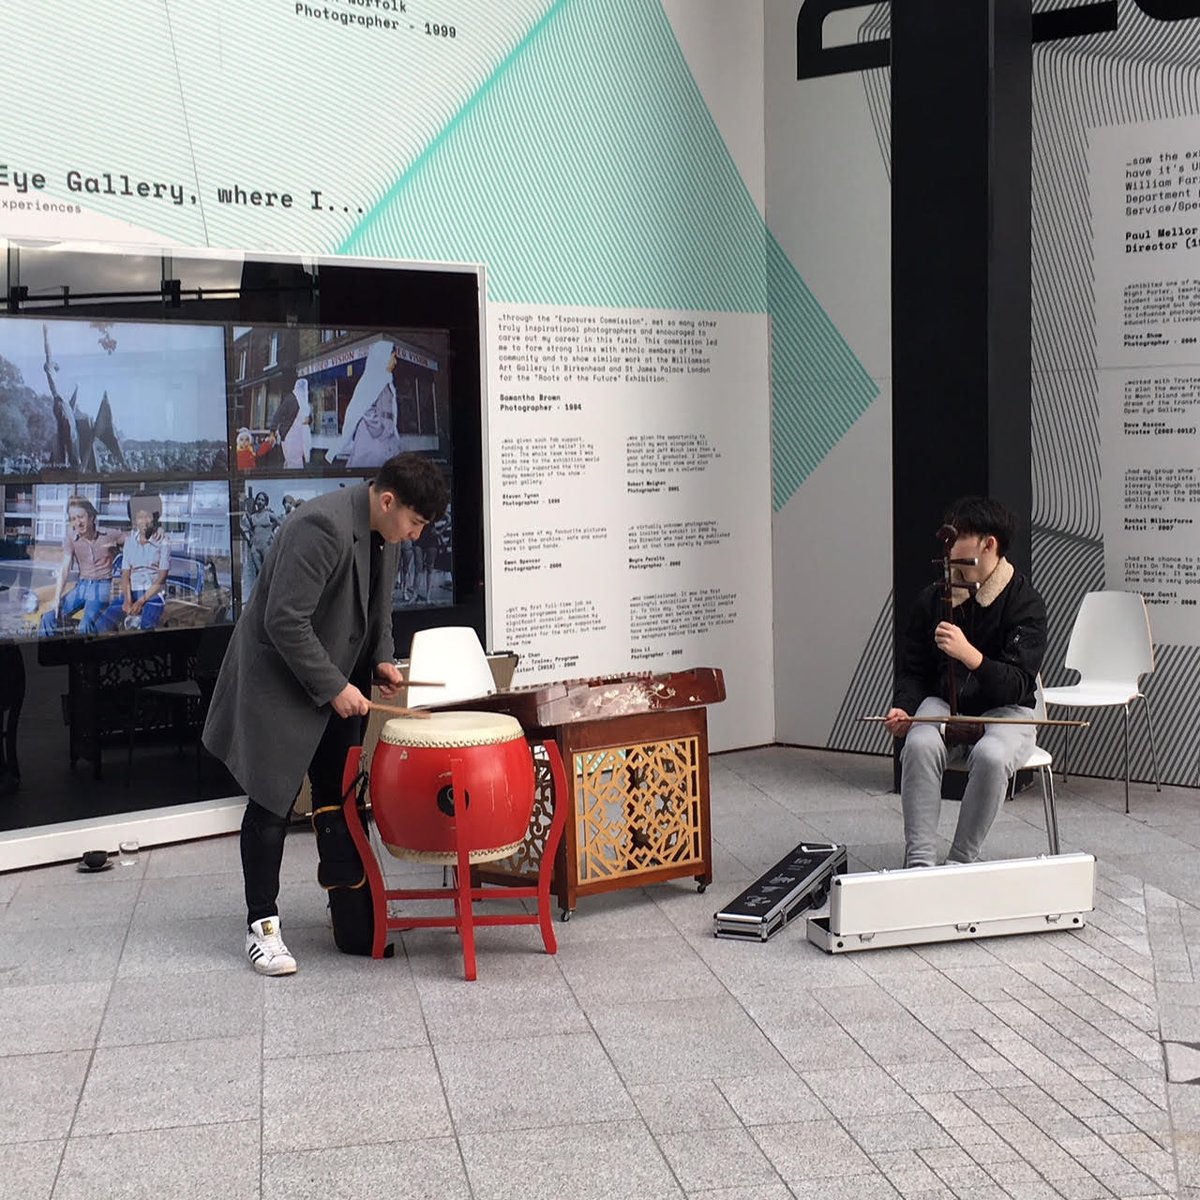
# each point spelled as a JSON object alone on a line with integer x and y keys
{"x": 991, "y": 762}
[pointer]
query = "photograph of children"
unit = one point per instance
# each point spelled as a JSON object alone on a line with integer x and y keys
{"x": 86, "y": 558}
{"x": 86, "y": 399}
{"x": 145, "y": 565}
{"x": 425, "y": 577}
{"x": 325, "y": 400}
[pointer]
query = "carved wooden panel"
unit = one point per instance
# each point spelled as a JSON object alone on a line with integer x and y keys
{"x": 637, "y": 808}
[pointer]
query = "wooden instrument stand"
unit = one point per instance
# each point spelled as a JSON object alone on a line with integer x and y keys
{"x": 636, "y": 750}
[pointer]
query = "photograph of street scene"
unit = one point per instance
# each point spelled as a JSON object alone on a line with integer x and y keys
{"x": 337, "y": 400}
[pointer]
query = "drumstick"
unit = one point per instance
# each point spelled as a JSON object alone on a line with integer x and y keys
{"x": 396, "y": 711}
{"x": 964, "y": 720}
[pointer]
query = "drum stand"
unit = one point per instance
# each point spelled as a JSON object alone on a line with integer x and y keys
{"x": 462, "y": 893}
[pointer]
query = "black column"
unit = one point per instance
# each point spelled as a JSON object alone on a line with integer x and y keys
{"x": 961, "y": 118}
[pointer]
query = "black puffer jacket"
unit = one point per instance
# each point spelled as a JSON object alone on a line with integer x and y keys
{"x": 1008, "y": 629}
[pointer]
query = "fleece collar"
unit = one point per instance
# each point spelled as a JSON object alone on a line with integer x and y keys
{"x": 990, "y": 588}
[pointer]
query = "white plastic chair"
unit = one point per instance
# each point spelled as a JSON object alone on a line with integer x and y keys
{"x": 1039, "y": 760}
{"x": 451, "y": 655}
{"x": 1112, "y": 649}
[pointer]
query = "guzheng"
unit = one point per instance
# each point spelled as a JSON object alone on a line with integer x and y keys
{"x": 636, "y": 753}
{"x": 604, "y": 697}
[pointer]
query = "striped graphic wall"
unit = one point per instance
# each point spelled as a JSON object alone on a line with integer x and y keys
{"x": 1146, "y": 70}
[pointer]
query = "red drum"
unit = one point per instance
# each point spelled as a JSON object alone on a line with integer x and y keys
{"x": 414, "y": 804}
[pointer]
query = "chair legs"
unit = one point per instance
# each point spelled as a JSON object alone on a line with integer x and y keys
{"x": 1047, "y": 777}
{"x": 1126, "y": 711}
{"x": 1153, "y": 748}
{"x": 1153, "y": 751}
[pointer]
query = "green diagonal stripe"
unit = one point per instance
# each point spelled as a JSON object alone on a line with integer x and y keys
{"x": 588, "y": 171}
{"x": 818, "y": 387}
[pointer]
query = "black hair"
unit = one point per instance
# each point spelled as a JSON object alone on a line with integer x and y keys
{"x": 981, "y": 516}
{"x": 417, "y": 482}
{"x": 155, "y": 512}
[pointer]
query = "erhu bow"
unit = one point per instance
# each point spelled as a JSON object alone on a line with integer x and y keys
{"x": 958, "y": 730}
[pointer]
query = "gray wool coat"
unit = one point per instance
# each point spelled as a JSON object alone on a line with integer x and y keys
{"x": 297, "y": 642}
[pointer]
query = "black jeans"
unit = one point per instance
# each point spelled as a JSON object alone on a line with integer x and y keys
{"x": 263, "y": 832}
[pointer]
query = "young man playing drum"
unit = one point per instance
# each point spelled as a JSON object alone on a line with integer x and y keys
{"x": 294, "y": 687}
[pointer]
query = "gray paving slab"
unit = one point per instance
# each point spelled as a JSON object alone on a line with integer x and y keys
{"x": 586, "y": 1162}
{"x": 76, "y": 955}
{"x": 859, "y": 1091}
{"x": 896, "y": 1131}
{"x": 684, "y": 1107}
{"x": 937, "y": 1075}
{"x": 907, "y": 1172}
{"x": 503, "y": 1009}
{"x": 637, "y": 969}
{"x": 208, "y": 1081}
{"x": 863, "y": 1005}
{"x": 187, "y": 897}
{"x": 673, "y": 1052}
{"x": 970, "y": 1180}
{"x": 870, "y": 1186}
{"x": 365, "y": 1097}
{"x": 1085, "y": 1188}
{"x": 51, "y": 1016}
{"x": 529, "y": 1083}
{"x": 183, "y": 946}
{"x": 68, "y": 906}
{"x": 717, "y": 1158}
{"x": 28, "y": 1170}
{"x": 200, "y": 1162}
{"x": 819, "y": 1049}
{"x": 900, "y": 1042}
{"x": 40, "y": 1094}
{"x": 792, "y": 1007}
{"x": 211, "y": 856}
{"x": 775, "y": 1191}
{"x": 772, "y": 1098}
{"x": 621, "y": 916}
{"x": 176, "y": 1008}
{"x": 804, "y": 1151}
{"x": 297, "y": 1021}
{"x": 1032, "y": 1064}
{"x": 786, "y": 961}
{"x": 413, "y": 1170}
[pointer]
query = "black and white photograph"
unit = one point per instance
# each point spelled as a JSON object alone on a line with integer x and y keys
{"x": 337, "y": 400}
{"x": 88, "y": 399}
{"x": 93, "y": 558}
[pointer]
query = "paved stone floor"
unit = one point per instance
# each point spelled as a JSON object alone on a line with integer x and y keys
{"x": 140, "y": 1057}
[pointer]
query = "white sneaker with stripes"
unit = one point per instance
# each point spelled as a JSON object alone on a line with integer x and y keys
{"x": 265, "y": 949}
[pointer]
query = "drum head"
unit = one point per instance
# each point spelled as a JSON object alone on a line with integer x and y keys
{"x": 450, "y": 729}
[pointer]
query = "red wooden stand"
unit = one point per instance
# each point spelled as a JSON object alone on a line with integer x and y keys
{"x": 462, "y": 893}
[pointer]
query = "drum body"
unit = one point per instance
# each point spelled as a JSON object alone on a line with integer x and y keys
{"x": 417, "y": 809}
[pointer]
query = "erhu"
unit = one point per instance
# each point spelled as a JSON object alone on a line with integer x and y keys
{"x": 958, "y": 730}
{"x": 955, "y": 733}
